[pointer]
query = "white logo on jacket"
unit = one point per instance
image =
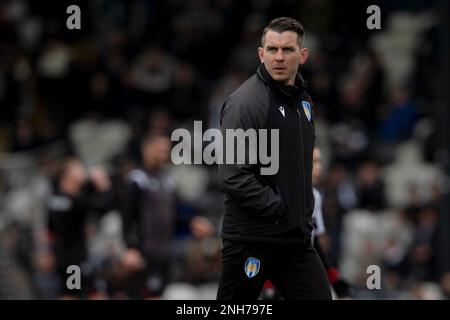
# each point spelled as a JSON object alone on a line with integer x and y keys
{"x": 282, "y": 110}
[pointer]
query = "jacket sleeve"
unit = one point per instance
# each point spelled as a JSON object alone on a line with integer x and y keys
{"x": 310, "y": 199}
{"x": 242, "y": 182}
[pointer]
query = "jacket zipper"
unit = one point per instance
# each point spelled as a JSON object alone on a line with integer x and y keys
{"x": 277, "y": 222}
{"x": 303, "y": 224}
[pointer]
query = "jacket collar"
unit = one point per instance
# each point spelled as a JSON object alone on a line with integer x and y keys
{"x": 295, "y": 90}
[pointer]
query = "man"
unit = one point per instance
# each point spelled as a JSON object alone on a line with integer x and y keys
{"x": 149, "y": 220}
{"x": 149, "y": 213}
{"x": 267, "y": 226}
{"x": 77, "y": 193}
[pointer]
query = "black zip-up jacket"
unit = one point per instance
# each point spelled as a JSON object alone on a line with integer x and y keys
{"x": 270, "y": 208}
{"x": 149, "y": 213}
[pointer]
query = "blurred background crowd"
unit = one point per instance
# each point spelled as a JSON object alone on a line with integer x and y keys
{"x": 82, "y": 112}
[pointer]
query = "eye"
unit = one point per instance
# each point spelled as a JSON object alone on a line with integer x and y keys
{"x": 288, "y": 49}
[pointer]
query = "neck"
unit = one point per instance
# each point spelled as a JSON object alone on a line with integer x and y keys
{"x": 290, "y": 82}
{"x": 296, "y": 81}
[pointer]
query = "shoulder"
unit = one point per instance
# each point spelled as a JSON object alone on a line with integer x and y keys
{"x": 139, "y": 178}
{"x": 252, "y": 95}
{"x": 307, "y": 98}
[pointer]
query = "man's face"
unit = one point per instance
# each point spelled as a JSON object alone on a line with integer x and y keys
{"x": 282, "y": 55}
{"x": 317, "y": 166}
{"x": 74, "y": 178}
{"x": 157, "y": 152}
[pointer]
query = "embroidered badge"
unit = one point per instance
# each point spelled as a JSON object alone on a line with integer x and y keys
{"x": 251, "y": 267}
{"x": 307, "y": 109}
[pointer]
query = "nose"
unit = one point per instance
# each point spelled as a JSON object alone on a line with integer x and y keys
{"x": 279, "y": 56}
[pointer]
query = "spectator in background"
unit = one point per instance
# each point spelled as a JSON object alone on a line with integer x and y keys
{"x": 339, "y": 197}
{"x": 77, "y": 193}
{"x": 149, "y": 220}
{"x": 153, "y": 76}
{"x": 186, "y": 98}
{"x": 398, "y": 119}
{"x": 370, "y": 187}
{"x": 422, "y": 255}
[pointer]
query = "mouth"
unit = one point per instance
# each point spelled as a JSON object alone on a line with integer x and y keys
{"x": 279, "y": 69}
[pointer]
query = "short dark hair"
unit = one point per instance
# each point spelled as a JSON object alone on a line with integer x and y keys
{"x": 284, "y": 24}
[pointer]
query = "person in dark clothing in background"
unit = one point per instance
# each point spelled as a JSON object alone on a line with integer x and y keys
{"x": 267, "y": 225}
{"x": 370, "y": 187}
{"x": 149, "y": 215}
{"x": 150, "y": 219}
{"x": 77, "y": 193}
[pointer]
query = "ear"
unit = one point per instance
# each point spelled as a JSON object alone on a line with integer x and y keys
{"x": 261, "y": 54}
{"x": 304, "y": 53}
